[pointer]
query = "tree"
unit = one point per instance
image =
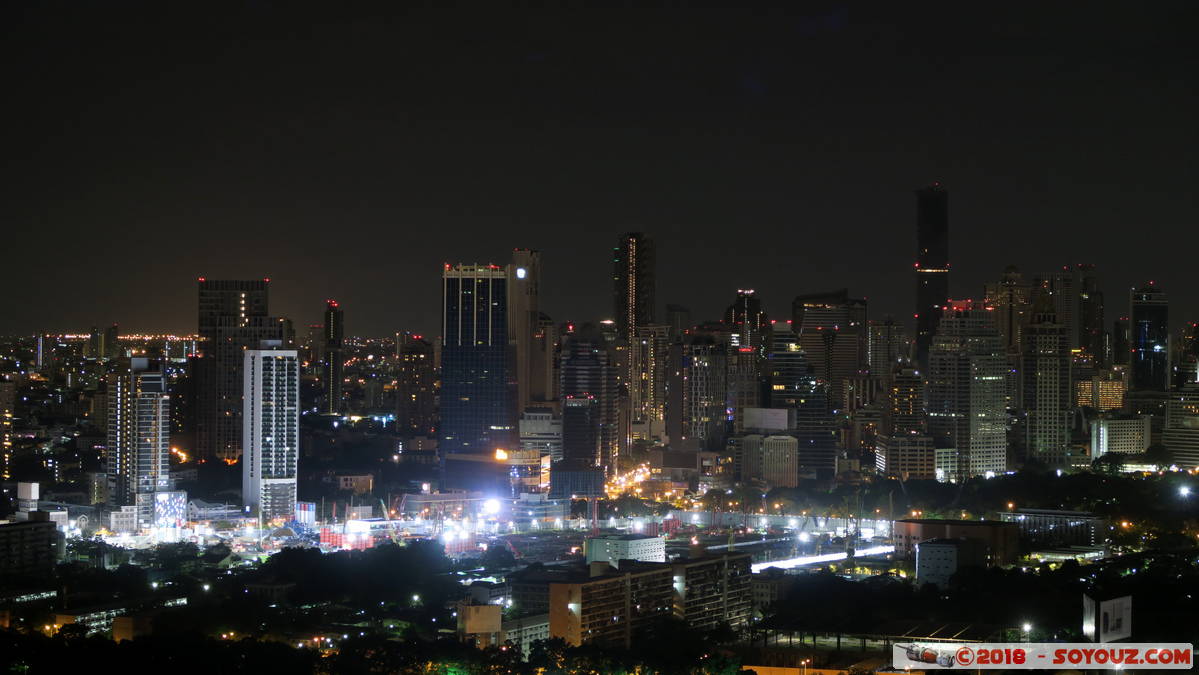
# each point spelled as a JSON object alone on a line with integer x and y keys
{"x": 1159, "y": 456}
{"x": 1111, "y": 463}
{"x": 496, "y": 557}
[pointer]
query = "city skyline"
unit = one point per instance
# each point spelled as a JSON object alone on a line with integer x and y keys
{"x": 788, "y": 339}
{"x": 775, "y": 155}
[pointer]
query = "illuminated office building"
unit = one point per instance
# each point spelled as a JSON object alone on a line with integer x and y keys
{"x": 1103, "y": 391}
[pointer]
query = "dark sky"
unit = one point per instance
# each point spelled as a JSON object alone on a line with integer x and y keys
{"x": 348, "y": 153}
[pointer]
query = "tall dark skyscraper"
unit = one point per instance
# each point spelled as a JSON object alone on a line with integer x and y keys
{"x": 932, "y": 264}
{"x": 635, "y": 285}
{"x": 590, "y": 398}
{"x": 1078, "y": 302}
{"x": 232, "y": 318}
{"x": 747, "y": 321}
{"x": 334, "y": 357}
{"x": 478, "y": 391}
{"x": 416, "y": 412}
{"x": 793, "y": 385}
{"x": 1149, "y": 339}
{"x": 524, "y": 317}
{"x": 832, "y": 330}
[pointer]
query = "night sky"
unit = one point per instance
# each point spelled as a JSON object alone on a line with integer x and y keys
{"x": 347, "y": 153}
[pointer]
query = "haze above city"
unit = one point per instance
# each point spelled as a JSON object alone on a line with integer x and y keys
{"x": 348, "y": 155}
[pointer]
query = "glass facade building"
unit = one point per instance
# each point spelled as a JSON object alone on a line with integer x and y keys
{"x": 478, "y": 395}
{"x": 1149, "y": 339}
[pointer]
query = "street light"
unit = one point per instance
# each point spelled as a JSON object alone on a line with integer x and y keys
{"x": 1185, "y": 491}
{"x": 1027, "y": 627}
{"x": 805, "y": 663}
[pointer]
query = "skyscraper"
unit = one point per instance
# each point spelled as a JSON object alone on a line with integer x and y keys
{"x": 905, "y": 413}
{"x": 478, "y": 392}
{"x": 271, "y": 430}
{"x": 697, "y": 394}
{"x": 1047, "y": 386}
{"x": 793, "y": 385}
{"x": 1180, "y": 433}
{"x": 747, "y": 321}
{"x": 416, "y": 412}
{"x": 1121, "y": 342}
{"x": 932, "y": 264}
{"x": 887, "y": 344}
{"x": 1092, "y": 333}
{"x": 832, "y": 331}
{"x": 678, "y": 318}
{"x": 137, "y": 460}
{"x": 1010, "y": 296}
{"x": 634, "y": 282}
{"x": 334, "y": 356}
{"x": 590, "y": 399}
{"x": 743, "y": 385}
{"x": 966, "y": 391}
{"x": 8, "y": 399}
{"x": 524, "y": 316}
{"x": 1149, "y": 329}
{"x": 1078, "y": 303}
{"x": 232, "y": 318}
{"x": 649, "y": 354}
{"x": 904, "y": 448}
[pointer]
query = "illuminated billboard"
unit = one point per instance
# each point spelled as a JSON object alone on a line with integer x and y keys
{"x": 170, "y": 509}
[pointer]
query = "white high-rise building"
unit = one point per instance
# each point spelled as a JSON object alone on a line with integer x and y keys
{"x": 271, "y": 430}
{"x": 1047, "y": 398}
{"x": 967, "y": 410}
{"x": 138, "y": 460}
{"x": 1181, "y": 432}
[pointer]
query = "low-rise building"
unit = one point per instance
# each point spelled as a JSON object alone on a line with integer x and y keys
{"x": 713, "y": 590}
{"x": 937, "y": 560}
{"x": 94, "y": 619}
{"x": 523, "y": 631}
{"x": 359, "y": 484}
{"x": 614, "y": 548}
{"x": 999, "y": 539}
{"x": 769, "y": 587}
{"x": 29, "y": 549}
{"x": 1051, "y": 528}
{"x": 907, "y": 456}
{"x": 484, "y": 626}
{"x": 607, "y": 606}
